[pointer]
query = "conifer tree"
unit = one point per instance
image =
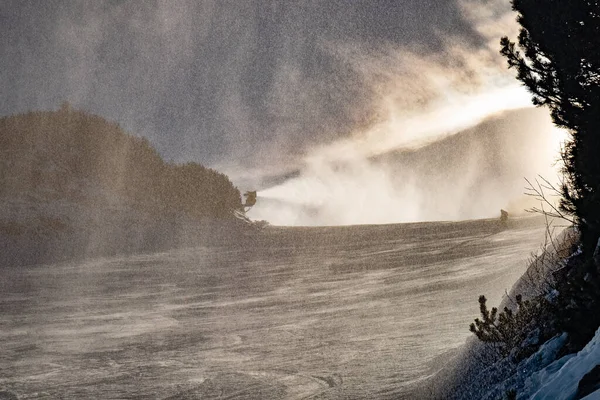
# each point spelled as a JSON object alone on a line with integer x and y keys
{"x": 558, "y": 59}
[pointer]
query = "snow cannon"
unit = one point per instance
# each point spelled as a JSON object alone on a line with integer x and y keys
{"x": 250, "y": 200}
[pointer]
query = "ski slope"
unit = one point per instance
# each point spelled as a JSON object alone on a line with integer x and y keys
{"x": 282, "y": 313}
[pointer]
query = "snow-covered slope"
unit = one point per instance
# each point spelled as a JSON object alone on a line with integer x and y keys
{"x": 358, "y": 312}
{"x": 478, "y": 374}
{"x": 560, "y": 380}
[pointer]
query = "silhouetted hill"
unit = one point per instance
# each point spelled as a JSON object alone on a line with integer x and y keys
{"x": 72, "y": 183}
{"x": 58, "y": 153}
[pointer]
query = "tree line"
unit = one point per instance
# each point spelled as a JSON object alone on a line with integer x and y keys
{"x": 75, "y": 155}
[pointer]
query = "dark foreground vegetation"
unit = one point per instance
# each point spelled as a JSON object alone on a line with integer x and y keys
{"x": 557, "y": 311}
{"x": 72, "y": 180}
{"x": 559, "y": 63}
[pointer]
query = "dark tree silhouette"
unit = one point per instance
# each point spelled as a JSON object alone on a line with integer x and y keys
{"x": 64, "y": 152}
{"x": 558, "y": 60}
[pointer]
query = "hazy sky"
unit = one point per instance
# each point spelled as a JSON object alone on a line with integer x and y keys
{"x": 210, "y": 80}
{"x": 260, "y": 88}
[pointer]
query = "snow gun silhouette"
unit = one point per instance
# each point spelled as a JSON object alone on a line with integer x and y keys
{"x": 503, "y": 217}
{"x": 250, "y": 202}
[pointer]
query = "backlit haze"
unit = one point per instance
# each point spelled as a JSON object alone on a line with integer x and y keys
{"x": 337, "y": 112}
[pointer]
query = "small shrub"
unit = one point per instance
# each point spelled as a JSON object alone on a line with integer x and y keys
{"x": 517, "y": 333}
{"x": 511, "y": 394}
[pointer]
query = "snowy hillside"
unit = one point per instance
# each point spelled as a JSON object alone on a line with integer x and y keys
{"x": 549, "y": 373}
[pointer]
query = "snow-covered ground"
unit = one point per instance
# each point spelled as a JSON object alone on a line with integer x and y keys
{"x": 284, "y": 313}
{"x": 541, "y": 376}
{"x": 478, "y": 374}
{"x": 560, "y": 379}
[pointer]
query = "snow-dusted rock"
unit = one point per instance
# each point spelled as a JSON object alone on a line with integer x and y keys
{"x": 559, "y": 381}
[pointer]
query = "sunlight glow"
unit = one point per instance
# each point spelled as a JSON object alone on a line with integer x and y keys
{"x": 340, "y": 184}
{"x": 453, "y": 114}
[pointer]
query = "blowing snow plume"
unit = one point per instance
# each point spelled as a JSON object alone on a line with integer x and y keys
{"x": 445, "y": 144}
{"x": 470, "y": 174}
{"x": 274, "y": 91}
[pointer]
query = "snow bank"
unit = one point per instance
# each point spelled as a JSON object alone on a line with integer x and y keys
{"x": 539, "y": 272}
{"x": 475, "y": 374}
{"x": 561, "y": 378}
{"x": 493, "y": 381}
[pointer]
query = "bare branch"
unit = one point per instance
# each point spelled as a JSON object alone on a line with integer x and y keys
{"x": 538, "y": 191}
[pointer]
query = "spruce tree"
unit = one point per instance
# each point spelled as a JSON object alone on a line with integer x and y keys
{"x": 558, "y": 59}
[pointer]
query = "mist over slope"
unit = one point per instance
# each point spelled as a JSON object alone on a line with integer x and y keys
{"x": 469, "y": 174}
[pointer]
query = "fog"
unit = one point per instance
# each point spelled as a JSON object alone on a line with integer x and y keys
{"x": 127, "y": 273}
{"x": 423, "y": 99}
{"x": 301, "y": 101}
{"x": 471, "y": 174}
